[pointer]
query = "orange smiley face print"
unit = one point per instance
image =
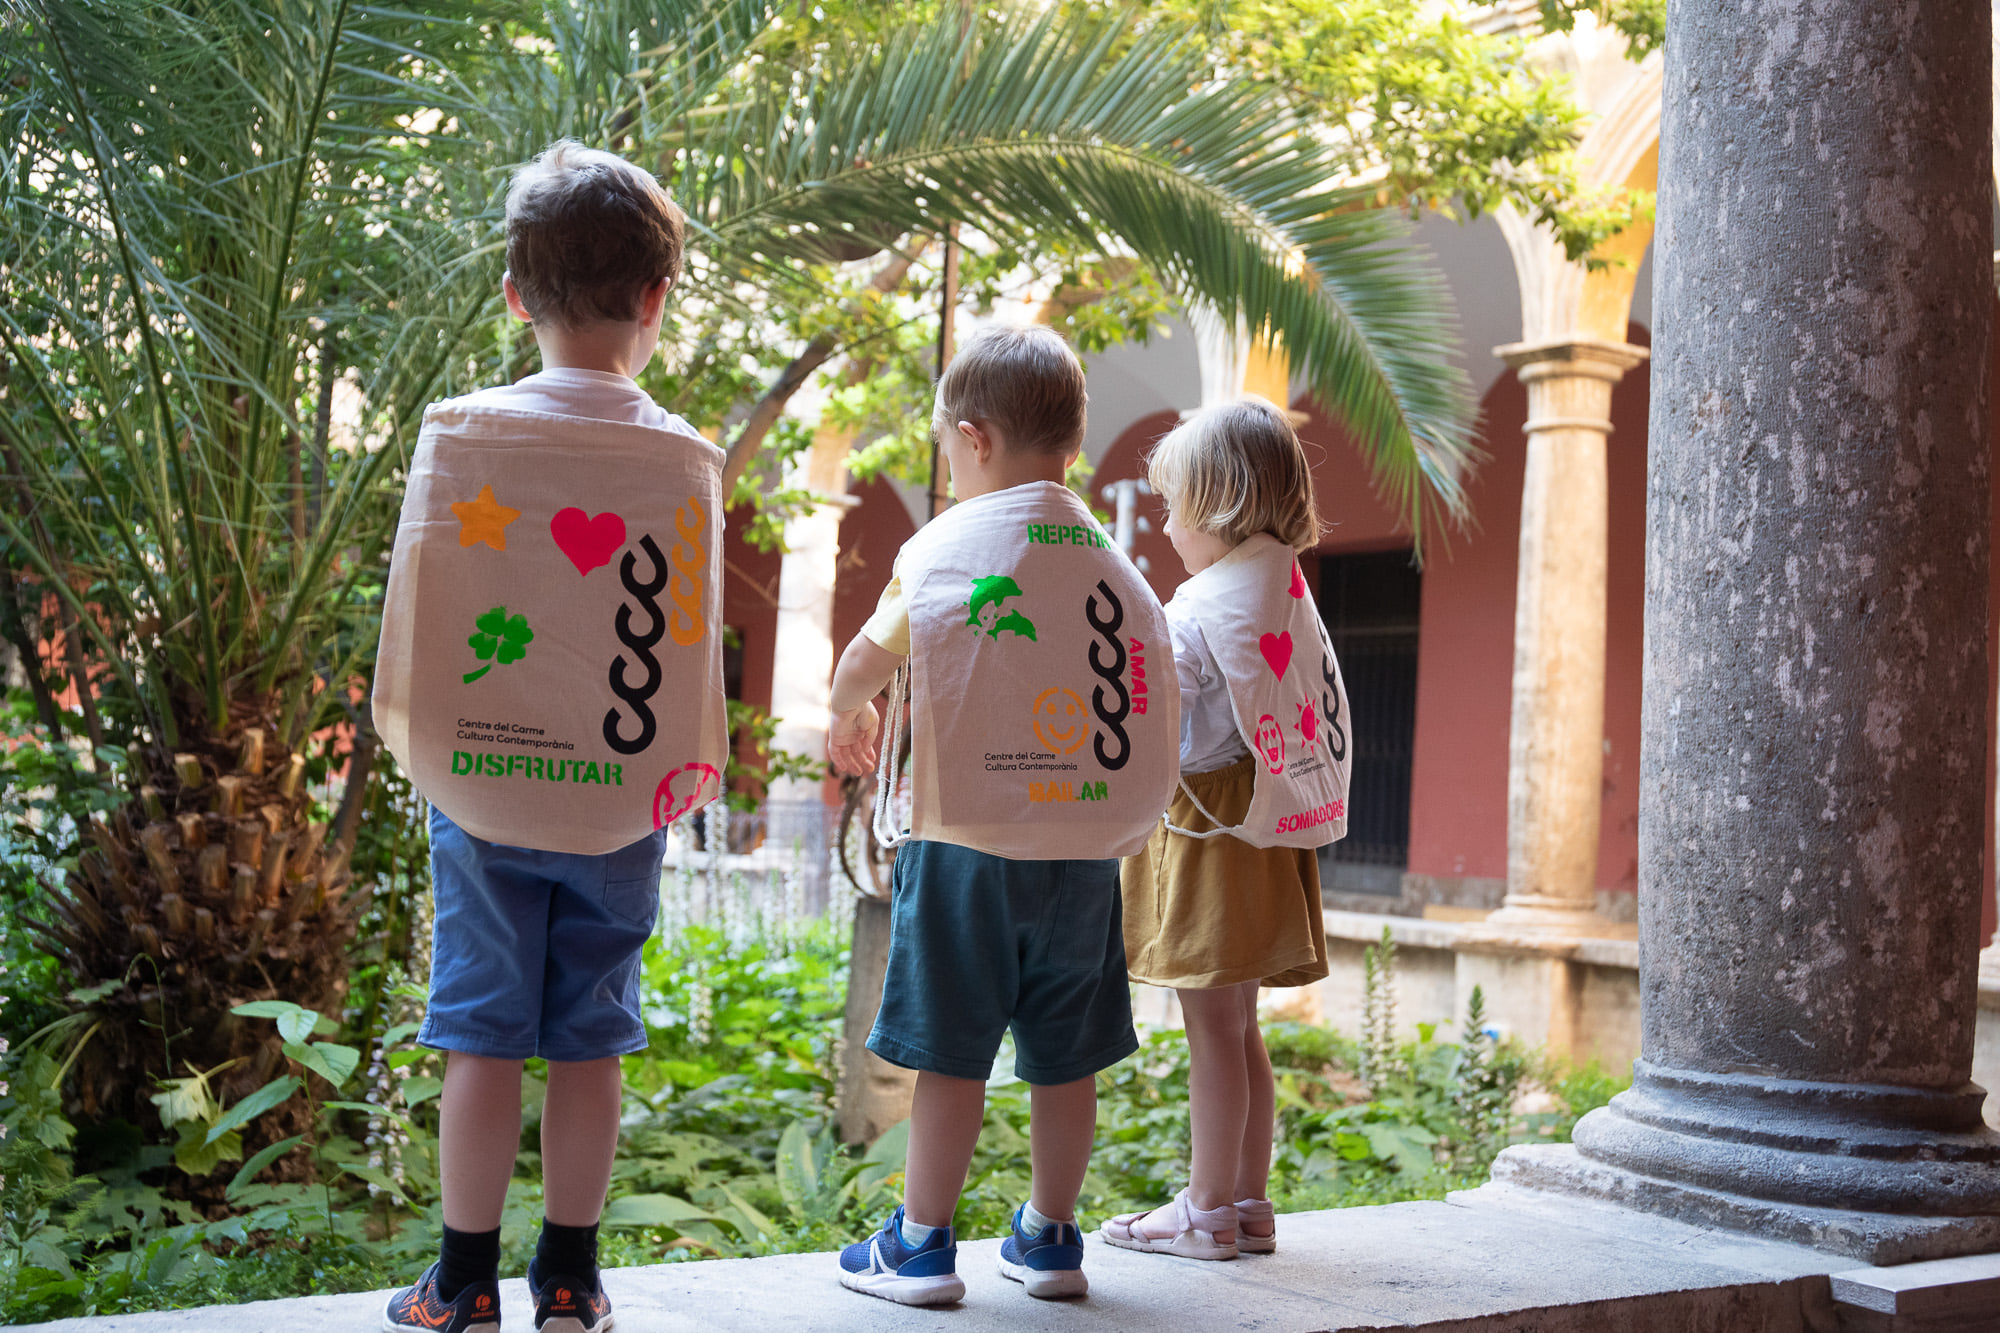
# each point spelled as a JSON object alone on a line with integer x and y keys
{"x": 1061, "y": 724}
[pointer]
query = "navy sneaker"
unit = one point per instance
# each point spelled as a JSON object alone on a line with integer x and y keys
{"x": 420, "y": 1309}
{"x": 884, "y": 1266}
{"x": 1049, "y": 1263}
{"x": 565, "y": 1305}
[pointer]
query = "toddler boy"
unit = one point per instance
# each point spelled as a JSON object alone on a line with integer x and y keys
{"x": 1013, "y": 607}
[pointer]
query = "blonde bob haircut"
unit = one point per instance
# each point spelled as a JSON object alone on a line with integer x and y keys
{"x": 1237, "y": 470}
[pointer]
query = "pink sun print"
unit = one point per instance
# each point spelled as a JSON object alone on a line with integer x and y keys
{"x": 1308, "y": 723}
{"x": 681, "y": 790}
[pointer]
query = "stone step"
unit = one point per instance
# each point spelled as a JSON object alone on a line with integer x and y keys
{"x": 1489, "y": 1260}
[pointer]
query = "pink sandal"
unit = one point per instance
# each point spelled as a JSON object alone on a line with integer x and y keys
{"x": 1258, "y": 1213}
{"x": 1193, "y": 1236}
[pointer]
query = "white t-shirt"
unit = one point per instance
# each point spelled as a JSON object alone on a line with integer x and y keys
{"x": 1209, "y": 738}
{"x": 598, "y": 395}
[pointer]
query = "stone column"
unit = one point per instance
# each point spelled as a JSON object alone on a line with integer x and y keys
{"x": 1555, "y": 769}
{"x": 1812, "y": 758}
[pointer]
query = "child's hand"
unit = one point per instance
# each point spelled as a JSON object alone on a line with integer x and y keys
{"x": 850, "y": 741}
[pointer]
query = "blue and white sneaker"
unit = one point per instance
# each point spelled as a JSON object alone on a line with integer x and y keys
{"x": 1049, "y": 1263}
{"x": 884, "y": 1266}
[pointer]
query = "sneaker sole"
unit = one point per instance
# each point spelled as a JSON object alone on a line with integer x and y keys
{"x": 940, "y": 1290}
{"x": 1187, "y": 1245}
{"x": 1047, "y": 1283}
{"x": 391, "y": 1326}
{"x": 566, "y": 1324}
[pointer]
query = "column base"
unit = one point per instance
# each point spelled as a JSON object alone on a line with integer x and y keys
{"x": 1884, "y": 1173}
{"x": 1873, "y": 1238}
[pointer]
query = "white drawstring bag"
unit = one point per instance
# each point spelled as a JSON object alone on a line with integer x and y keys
{"x": 1284, "y": 690}
{"x": 1045, "y": 713}
{"x": 550, "y": 673}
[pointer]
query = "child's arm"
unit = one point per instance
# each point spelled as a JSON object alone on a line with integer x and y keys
{"x": 865, "y": 668}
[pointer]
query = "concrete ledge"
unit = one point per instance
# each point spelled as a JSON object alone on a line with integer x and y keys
{"x": 1413, "y": 932}
{"x": 1490, "y": 1260}
{"x": 1965, "y": 1291}
{"x": 1474, "y": 937}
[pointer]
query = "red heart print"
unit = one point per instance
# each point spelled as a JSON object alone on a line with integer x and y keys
{"x": 1298, "y": 580}
{"x": 1277, "y": 650}
{"x": 588, "y": 542}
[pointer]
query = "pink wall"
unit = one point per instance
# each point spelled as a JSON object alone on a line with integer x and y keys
{"x": 871, "y": 534}
{"x": 1458, "y": 797}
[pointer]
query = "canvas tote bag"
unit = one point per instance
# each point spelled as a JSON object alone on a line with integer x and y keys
{"x": 1045, "y": 713}
{"x": 1285, "y": 691}
{"x": 550, "y": 673}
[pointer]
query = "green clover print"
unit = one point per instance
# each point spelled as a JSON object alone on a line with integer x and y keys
{"x": 500, "y": 638}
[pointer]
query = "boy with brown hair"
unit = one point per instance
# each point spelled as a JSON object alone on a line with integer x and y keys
{"x": 1012, "y": 609}
{"x": 543, "y": 907}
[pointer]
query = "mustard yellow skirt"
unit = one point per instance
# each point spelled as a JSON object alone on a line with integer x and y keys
{"x": 1207, "y": 912}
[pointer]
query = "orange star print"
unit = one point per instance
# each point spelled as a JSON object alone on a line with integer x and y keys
{"x": 484, "y": 520}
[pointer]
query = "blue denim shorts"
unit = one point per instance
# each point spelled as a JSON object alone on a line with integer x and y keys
{"x": 537, "y": 953}
{"x": 979, "y": 944}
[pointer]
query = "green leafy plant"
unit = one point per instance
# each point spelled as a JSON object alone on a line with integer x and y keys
{"x": 1380, "y": 1060}
{"x": 749, "y": 780}
{"x": 329, "y": 1060}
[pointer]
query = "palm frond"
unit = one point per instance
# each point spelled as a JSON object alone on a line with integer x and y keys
{"x": 1046, "y": 126}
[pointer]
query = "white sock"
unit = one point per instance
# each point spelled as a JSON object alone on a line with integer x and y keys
{"x": 915, "y": 1234}
{"x": 1033, "y": 1222}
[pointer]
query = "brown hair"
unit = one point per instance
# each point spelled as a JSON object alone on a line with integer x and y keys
{"x": 587, "y": 234}
{"x": 1236, "y": 470}
{"x": 1025, "y": 383}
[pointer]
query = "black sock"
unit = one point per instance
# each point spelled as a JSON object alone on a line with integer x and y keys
{"x": 567, "y": 1252}
{"x": 467, "y": 1257}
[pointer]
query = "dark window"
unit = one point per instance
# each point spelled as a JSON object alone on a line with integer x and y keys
{"x": 1371, "y": 605}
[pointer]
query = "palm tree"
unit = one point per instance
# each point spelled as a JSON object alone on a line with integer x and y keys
{"x": 210, "y": 236}
{"x": 224, "y": 219}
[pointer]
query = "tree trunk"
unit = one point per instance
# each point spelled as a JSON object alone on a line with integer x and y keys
{"x": 769, "y": 408}
{"x": 874, "y": 1094}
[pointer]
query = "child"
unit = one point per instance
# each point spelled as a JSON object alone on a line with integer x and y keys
{"x": 537, "y": 738}
{"x": 1013, "y": 608}
{"x": 1225, "y": 896}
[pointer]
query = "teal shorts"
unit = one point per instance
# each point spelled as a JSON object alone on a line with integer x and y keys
{"x": 980, "y": 945}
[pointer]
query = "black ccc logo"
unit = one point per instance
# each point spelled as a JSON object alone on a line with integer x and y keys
{"x": 637, "y": 697}
{"x": 1111, "y": 720}
{"x": 1329, "y": 705}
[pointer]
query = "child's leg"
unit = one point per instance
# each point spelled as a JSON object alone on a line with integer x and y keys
{"x": 579, "y": 1141}
{"x": 1253, "y": 1165}
{"x": 579, "y": 1138}
{"x": 479, "y": 1131}
{"x": 1220, "y": 1101}
{"x": 1219, "y": 1090}
{"x": 945, "y": 1116}
{"x": 1062, "y": 1123}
